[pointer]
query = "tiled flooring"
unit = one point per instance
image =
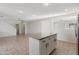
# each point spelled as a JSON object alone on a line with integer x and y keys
{"x": 65, "y": 48}
{"x": 13, "y": 45}
{"x": 19, "y": 46}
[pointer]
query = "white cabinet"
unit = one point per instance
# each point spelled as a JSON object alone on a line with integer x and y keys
{"x": 53, "y": 41}
{"x": 43, "y": 46}
{"x": 48, "y": 44}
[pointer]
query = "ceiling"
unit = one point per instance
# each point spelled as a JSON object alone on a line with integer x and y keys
{"x": 27, "y": 11}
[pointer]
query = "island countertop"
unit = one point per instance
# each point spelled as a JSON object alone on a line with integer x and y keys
{"x": 39, "y": 36}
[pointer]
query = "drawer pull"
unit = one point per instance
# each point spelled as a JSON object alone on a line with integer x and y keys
{"x": 44, "y": 41}
{"x": 47, "y": 44}
{"x": 54, "y": 39}
{"x": 49, "y": 38}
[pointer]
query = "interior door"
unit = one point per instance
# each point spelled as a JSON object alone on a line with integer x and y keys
{"x": 17, "y": 29}
{"x": 23, "y": 29}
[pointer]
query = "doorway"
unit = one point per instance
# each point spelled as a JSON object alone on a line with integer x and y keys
{"x": 20, "y": 29}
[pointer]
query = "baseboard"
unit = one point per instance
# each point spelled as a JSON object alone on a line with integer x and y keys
{"x": 67, "y": 42}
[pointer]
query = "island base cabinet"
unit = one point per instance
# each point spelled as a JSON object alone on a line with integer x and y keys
{"x": 47, "y": 45}
{"x": 34, "y": 46}
{"x": 42, "y": 46}
{"x": 43, "y": 50}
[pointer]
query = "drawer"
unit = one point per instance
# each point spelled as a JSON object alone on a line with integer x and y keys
{"x": 44, "y": 40}
{"x": 53, "y": 37}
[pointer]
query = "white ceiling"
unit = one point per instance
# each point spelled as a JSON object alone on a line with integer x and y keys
{"x": 27, "y": 11}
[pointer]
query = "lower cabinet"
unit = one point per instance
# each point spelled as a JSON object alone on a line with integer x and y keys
{"x": 48, "y": 45}
{"x": 45, "y": 46}
{"x": 53, "y": 42}
{"x": 43, "y": 49}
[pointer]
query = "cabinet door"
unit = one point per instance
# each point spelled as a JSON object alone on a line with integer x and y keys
{"x": 46, "y": 46}
{"x": 53, "y": 42}
{"x": 43, "y": 47}
{"x": 49, "y": 44}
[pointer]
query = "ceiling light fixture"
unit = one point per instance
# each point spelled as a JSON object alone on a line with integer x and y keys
{"x": 65, "y": 10}
{"x": 20, "y": 11}
{"x": 34, "y": 15}
{"x": 46, "y": 4}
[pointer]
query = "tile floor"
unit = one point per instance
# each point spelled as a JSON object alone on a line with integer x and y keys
{"x": 18, "y": 45}
{"x": 65, "y": 48}
{"x": 15, "y": 45}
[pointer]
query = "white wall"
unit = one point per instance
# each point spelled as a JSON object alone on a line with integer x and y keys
{"x": 25, "y": 28}
{"x": 64, "y": 33}
{"x": 52, "y": 25}
{"x": 41, "y": 27}
{"x": 45, "y": 27}
{"x": 34, "y": 27}
{"x": 7, "y": 29}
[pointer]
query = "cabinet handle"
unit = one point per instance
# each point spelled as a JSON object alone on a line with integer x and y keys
{"x": 47, "y": 45}
{"x": 49, "y": 38}
{"x": 54, "y": 39}
{"x": 44, "y": 41}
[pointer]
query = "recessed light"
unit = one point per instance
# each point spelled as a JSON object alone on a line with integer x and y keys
{"x": 46, "y": 4}
{"x": 20, "y": 11}
{"x": 66, "y": 10}
{"x": 33, "y": 15}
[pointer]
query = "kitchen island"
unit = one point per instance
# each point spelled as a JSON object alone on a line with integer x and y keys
{"x": 42, "y": 45}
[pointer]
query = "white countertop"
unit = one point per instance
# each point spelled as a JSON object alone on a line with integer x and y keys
{"x": 39, "y": 36}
